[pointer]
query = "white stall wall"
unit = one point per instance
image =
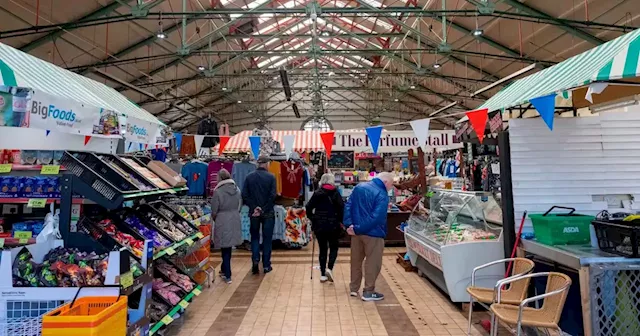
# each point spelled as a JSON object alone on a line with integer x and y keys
{"x": 34, "y": 139}
{"x": 587, "y": 163}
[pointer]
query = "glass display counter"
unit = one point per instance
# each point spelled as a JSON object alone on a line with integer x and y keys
{"x": 451, "y": 235}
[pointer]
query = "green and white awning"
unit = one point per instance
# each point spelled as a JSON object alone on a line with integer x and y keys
{"x": 23, "y": 70}
{"x": 613, "y": 60}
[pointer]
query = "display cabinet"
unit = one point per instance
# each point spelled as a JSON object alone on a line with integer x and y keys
{"x": 451, "y": 234}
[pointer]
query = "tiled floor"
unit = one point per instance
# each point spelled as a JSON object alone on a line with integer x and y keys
{"x": 287, "y": 302}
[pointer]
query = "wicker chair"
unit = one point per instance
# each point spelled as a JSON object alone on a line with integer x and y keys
{"x": 516, "y": 292}
{"x": 547, "y": 316}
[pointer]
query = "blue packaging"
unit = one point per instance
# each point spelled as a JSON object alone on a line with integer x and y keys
{"x": 9, "y": 186}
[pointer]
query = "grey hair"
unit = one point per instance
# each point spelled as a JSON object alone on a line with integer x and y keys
{"x": 223, "y": 174}
{"x": 386, "y": 176}
{"x": 327, "y": 178}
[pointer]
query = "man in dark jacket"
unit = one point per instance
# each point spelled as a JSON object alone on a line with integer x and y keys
{"x": 365, "y": 215}
{"x": 259, "y": 194}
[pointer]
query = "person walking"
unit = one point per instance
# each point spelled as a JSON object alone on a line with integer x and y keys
{"x": 259, "y": 194}
{"x": 365, "y": 215}
{"x": 225, "y": 209}
{"x": 325, "y": 209}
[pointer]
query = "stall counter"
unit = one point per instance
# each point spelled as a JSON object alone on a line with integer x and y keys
{"x": 394, "y": 236}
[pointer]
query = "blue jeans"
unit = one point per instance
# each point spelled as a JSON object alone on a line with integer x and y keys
{"x": 226, "y": 262}
{"x": 267, "y": 222}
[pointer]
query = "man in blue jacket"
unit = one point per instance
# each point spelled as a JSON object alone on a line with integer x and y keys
{"x": 259, "y": 194}
{"x": 365, "y": 216}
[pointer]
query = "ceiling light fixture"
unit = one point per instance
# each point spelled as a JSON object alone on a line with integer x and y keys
{"x": 395, "y": 100}
{"x": 161, "y": 35}
{"x": 239, "y": 101}
{"x": 224, "y": 88}
{"x": 436, "y": 65}
{"x": 477, "y": 32}
{"x": 201, "y": 67}
{"x": 412, "y": 87}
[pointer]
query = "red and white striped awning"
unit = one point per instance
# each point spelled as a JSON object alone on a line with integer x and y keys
{"x": 305, "y": 141}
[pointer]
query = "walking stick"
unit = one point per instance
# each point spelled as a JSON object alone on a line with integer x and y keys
{"x": 313, "y": 251}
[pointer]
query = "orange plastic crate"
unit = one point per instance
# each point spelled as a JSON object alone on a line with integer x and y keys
{"x": 89, "y": 316}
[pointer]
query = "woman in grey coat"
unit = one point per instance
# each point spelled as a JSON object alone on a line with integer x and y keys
{"x": 225, "y": 208}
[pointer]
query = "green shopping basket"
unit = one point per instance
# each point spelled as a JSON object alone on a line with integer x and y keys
{"x": 561, "y": 229}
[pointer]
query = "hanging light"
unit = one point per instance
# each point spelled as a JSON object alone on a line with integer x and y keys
{"x": 161, "y": 35}
{"x": 395, "y": 100}
{"x": 477, "y": 32}
{"x": 436, "y": 65}
{"x": 239, "y": 101}
{"x": 201, "y": 67}
{"x": 224, "y": 88}
{"x": 412, "y": 87}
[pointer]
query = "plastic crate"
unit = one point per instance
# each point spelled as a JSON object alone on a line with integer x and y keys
{"x": 88, "y": 316}
{"x": 561, "y": 229}
{"x": 618, "y": 237}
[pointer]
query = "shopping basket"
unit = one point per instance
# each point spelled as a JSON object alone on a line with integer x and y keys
{"x": 561, "y": 229}
{"x": 88, "y": 316}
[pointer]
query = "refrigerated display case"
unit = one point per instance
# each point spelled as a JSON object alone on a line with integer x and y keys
{"x": 452, "y": 234}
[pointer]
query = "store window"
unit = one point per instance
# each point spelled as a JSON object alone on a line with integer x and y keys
{"x": 317, "y": 124}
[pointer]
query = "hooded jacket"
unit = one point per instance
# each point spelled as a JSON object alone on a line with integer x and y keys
{"x": 325, "y": 209}
{"x": 367, "y": 209}
{"x": 225, "y": 207}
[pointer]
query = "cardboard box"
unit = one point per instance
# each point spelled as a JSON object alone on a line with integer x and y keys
{"x": 167, "y": 174}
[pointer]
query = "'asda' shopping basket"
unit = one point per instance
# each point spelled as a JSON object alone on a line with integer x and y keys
{"x": 561, "y": 229}
{"x": 88, "y": 316}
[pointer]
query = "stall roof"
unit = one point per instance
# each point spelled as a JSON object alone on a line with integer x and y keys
{"x": 30, "y": 72}
{"x": 613, "y": 60}
{"x": 305, "y": 141}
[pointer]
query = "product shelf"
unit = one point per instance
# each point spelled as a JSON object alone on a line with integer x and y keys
{"x": 183, "y": 304}
{"x": 21, "y": 167}
{"x": 49, "y": 200}
{"x": 199, "y": 237}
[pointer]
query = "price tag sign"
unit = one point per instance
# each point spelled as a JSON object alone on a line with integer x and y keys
{"x": 184, "y": 304}
{"x": 37, "y": 203}
{"x": 197, "y": 291}
{"x": 167, "y": 320}
{"x": 171, "y": 191}
{"x": 199, "y": 235}
{"x": 5, "y": 168}
{"x": 126, "y": 279}
{"x": 196, "y": 222}
{"x": 23, "y": 241}
{"x": 1, "y": 242}
{"x": 50, "y": 170}
{"x": 189, "y": 241}
{"x": 170, "y": 250}
{"x": 22, "y": 234}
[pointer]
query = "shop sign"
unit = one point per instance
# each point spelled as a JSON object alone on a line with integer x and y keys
{"x": 424, "y": 251}
{"x": 364, "y": 156}
{"x": 47, "y": 112}
{"x": 141, "y": 131}
{"x": 395, "y": 141}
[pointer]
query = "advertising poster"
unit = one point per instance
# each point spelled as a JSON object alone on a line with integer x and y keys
{"x": 141, "y": 131}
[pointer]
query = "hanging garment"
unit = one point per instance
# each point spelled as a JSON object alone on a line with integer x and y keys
{"x": 291, "y": 179}
{"x": 240, "y": 171}
{"x": 196, "y": 175}
{"x": 279, "y": 228}
{"x": 175, "y": 166}
{"x": 297, "y": 227}
{"x": 188, "y": 146}
{"x": 452, "y": 168}
{"x": 159, "y": 154}
{"x": 209, "y": 127}
{"x": 212, "y": 174}
{"x": 276, "y": 170}
{"x": 246, "y": 223}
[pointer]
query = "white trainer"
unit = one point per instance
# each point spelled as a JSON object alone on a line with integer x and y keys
{"x": 323, "y": 279}
{"x": 329, "y": 274}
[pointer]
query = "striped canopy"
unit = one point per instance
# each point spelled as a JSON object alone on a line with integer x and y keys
{"x": 305, "y": 141}
{"x": 613, "y": 60}
{"x": 23, "y": 70}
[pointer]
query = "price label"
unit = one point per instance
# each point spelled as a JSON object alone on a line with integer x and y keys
{"x": 196, "y": 222}
{"x": 167, "y": 320}
{"x": 22, "y": 234}
{"x": 197, "y": 291}
{"x": 5, "y": 168}
{"x": 1, "y": 242}
{"x": 199, "y": 235}
{"x": 170, "y": 251}
{"x": 23, "y": 241}
{"x": 184, "y": 304}
{"x": 171, "y": 191}
{"x": 50, "y": 170}
{"x": 126, "y": 279}
{"x": 189, "y": 241}
{"x": 37, "y": 202}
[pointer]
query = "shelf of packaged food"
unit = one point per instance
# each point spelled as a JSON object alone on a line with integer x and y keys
{"x": 183, "y": 304}
{"x": 138, "y": 283}
{"x": 189, "y": 241}
{"x": 135, "y": 329}
{"x": 156, "y": 192}
{"x": 22, "y": 200}
{"x": 10, "y": 241}
{"x": 198, "y": 221}
{"x": 21, "y": 167}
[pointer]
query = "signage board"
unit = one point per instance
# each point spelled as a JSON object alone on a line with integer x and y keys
{"x": 395, "y": 141}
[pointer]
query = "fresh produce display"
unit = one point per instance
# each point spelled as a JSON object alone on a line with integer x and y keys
{"x": 182, "y": 280}
{"x": 61, "y": 267}
{"x": 460, "y": 233}
{"x": 167, "y": 290}
{"x": 159, "y": 242}
{"x": 167, "y": 227}
{"x": 124, "y": 239}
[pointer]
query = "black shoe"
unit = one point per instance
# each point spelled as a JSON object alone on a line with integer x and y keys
{"x": 255, "y": 269}
{"x": 267, "y": 270}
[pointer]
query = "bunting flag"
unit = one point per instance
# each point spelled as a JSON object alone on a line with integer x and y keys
{"x": 87, "y": 138}
{"x": 421, "y": 130}
{"x": 178, "y": 137}
{"x": 224, "y": 140}
{"x": 327, "y": 141}
{"x": 374, "y": 134}
{"x": 288, "y": 141}
{"x": 478, "y": 120}
{"x": 129, "y": 147}
{"x": 546, "y": 107}
{"x": 140, "y": 146}
{"x": 198, "y": 140}
{"x": 255, "y": 145}
{"x": 594, "y": 88}
{"x": 48, "y": 131}
{"x": 146, "y": 146}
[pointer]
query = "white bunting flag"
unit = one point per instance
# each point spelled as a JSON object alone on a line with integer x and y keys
{"x": 288, "y": 141}
{"x": 421, "y": 130}
{"x": 594, "y": 88}
{"x": 198, "y": 139}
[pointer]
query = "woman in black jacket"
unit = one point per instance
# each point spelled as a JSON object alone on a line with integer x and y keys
{"x": 325, "y": 210}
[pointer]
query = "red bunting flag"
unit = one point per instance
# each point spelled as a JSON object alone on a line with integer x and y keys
{"x": 86, "y": 139}
{"x": 146, "y": 146}
{"x": 327, "y": 141}
{"x": 224, "y": 140}
{"x": 478, "y": 120}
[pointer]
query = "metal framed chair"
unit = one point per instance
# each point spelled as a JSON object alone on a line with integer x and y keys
{"x": 514, "y": 294}
{"x": 547, "y": 316}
